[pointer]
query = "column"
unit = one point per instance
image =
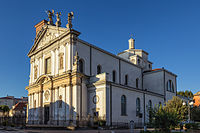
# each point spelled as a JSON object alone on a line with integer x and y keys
{"x": 52, "y": 62}
{"x": 40, "y": 65}
{"x": 56, "y": 63}
{"x": 40, "y": 97}
{"x": 31, "y": 66}
{"x": 33, "y": 76}
{"x": 51, "y": 106}
{"x": 43, "y": 65}
{"x": 69, "y": 57}
{"x": 64, "y": 58}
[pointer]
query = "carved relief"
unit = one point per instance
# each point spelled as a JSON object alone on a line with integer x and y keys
{"x": 61, "y": 66}
{"x": 46, "y": 95}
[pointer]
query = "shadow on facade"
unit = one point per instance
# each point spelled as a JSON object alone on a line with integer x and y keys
{"x": 58, "y": 114}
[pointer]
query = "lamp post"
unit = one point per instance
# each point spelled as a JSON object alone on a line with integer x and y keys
{"x": 190, "y": 103}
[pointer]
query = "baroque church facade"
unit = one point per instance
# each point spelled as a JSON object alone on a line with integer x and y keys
{"x": 72, "y": 80}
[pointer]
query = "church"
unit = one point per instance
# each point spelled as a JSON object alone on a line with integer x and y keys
{"x": 74, "y": 81}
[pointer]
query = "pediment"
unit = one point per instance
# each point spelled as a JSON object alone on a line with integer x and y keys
{"x": 43, "y": 38}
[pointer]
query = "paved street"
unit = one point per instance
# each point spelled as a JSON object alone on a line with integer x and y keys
{"x": 64, "y": 131}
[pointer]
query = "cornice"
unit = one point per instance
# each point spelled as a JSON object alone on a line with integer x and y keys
{"x": 69, "y": 32}
{"x": 106, "y": 52}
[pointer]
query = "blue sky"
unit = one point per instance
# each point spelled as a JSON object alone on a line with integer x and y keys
{"x": 169, "y": 30}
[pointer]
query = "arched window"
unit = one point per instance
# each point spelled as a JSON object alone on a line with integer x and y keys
{"x": 81, "y": 66}
{"x": 126, "y": 80}
{"x": 170, "y": 86}
{"x": 150, "y": 110}
{"x": 114, "y": 76}
{"x": 138, "y": 61}
{"x": 123, "y": 105}
{"x": 149, "y": 66}
{"x": 137, "y": 106}
{"x": 137, "y": 80}
{"x": 98, "y": 69}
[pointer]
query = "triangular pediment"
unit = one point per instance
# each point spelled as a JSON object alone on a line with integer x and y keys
{"x": 45, "y": 35}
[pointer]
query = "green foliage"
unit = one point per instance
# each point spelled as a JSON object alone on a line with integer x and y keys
{"x": 186, "y": 93}
{"x": 195, "y": 114}
{"x": 163, "y": 118}
{"x": 5, "y": 108}
{"x": 168, "y": 116}
{"x": 191, "y": 126}
{"x": 176, "y": 106}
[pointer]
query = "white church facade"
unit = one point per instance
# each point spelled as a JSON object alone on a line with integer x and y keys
{"x": 72, "y": 80}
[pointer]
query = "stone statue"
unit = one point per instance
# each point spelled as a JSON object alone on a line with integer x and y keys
{"x": 50, "y": 15}
{"x": 58, "y": 22}
{"x": 70, "y": 16}
{"x": 76, "y": 62}
{"x": 76, "y": 58}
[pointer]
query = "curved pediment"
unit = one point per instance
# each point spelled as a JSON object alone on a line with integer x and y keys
{"x": 43, "y": 78}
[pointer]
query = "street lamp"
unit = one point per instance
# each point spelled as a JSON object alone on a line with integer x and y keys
{"x": 190, "y": 103}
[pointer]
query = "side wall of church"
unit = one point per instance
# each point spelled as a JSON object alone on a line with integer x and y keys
{"x": 170, "y": 94}
{"x": 131, "y": 96}
{"x": 109, "y": 64}
{"x": 155, "y": 101}
{"x": 133, "y": 73}
{"x": 154, "y": 82}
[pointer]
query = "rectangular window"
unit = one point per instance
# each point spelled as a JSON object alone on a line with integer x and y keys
{"x": 126, "y": 80}
{"x": 48, "y": 66}
{"x": 137, "y": 82}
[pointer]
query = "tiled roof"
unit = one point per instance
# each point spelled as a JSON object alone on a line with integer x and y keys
{"x": 156, "y": 69}
{"x": 20, "y": 106}
{"x": 6, "y": 98}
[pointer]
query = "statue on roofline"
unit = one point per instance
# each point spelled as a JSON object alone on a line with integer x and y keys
{"x": 50, "y": 15}
{"x": 58, "y": 22}
{"x": 70, "y": 17}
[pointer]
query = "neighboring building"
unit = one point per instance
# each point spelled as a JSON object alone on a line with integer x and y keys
{"x": 71, "y": 79}
{"x": 184, "y": 99}
{"x": 11, "y": 100}
{"x": 196, "y": 99}
{"x": 19, "y": 110}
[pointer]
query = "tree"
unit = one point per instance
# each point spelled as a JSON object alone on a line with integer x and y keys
{"x": 195, "y": 114}
{"x": 163, "y": 119}
{"x": 4, "y": 108}
{"x": 187, "y": 94}
{"x": 176, "y": 105}
{"x": 170, "y": 115}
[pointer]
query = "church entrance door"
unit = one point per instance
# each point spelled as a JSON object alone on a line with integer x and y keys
{"x": 46, "y": 114}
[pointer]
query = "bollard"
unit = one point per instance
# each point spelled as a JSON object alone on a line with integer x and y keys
{"x": 145, "y": 128}
{"x": 132, "y": 126}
